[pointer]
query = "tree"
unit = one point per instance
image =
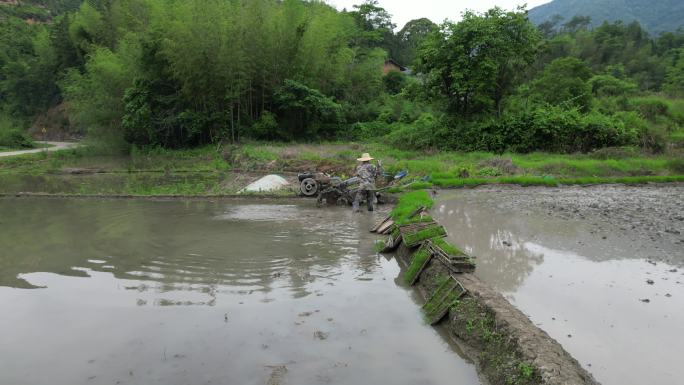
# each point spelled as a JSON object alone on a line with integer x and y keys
{"x": 674, "y": 79}
{"x": 475, "y": 63}
{"x": 577, "y": 23}
{"x": 565, "y": 83}
{"x": 305, "y": 111}
{"x": 410, "y": 38}
{"x": 375, "y": 25}
{"x": 549, "y": 28}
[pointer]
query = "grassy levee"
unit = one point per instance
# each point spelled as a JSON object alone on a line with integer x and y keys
{"x": 203, "y": 170}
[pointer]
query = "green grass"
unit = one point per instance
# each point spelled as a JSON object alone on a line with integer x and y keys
{"x": 442, "y": 169}
{"x": 408, "y": 204}
{"x": 424, "y": 234}
{"x": 445, "y": 297}
{"x": 417, "y": 262}
{"x": 446, "y": 246}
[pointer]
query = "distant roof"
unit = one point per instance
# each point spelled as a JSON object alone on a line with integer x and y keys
{"x": 391, "y": 61}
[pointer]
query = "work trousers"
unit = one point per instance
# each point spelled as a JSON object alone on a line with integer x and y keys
{"x": 369, "y": 195}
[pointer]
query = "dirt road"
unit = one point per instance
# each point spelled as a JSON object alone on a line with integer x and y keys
{"x": 55, "y": 146}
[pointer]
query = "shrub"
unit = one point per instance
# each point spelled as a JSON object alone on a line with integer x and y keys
{"x": 548, "y": 128}
{"x": 394, "y": 82}
{"x": 565, "y": 82}
{"x": 368, "y": 130}
{"x": 265, "y": 127}
{"x": 426, "y": 132}
{"x": 654, "y": 139}
{"x": 608, "y": 85}
{"x": 12, "y": 136}
{"x": 676, "y": 165}
{"x": 650, "y": 108}
{"x": 15, "y": 138}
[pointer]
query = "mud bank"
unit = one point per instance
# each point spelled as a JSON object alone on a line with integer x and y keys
{"x": 506, "y": 346}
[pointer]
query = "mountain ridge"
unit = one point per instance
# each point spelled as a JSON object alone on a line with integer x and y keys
{"x": 655, "y": 16}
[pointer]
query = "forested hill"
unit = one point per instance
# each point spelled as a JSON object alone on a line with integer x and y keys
{"x": 655, "y": 16}
{"x": 37, "y": 10}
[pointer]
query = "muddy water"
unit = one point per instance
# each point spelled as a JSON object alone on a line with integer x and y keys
{"x": 600, "y": 269}
{"x": 171, "y": 292}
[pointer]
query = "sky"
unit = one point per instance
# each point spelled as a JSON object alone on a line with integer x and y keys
{"x": 403, "y": 11}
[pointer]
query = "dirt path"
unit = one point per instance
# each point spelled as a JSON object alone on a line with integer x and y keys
{"x": 56, "y": 146}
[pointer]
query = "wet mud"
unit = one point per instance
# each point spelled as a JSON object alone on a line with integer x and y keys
{"x": 201, "y": 292}
{"x": 598, "y": 268}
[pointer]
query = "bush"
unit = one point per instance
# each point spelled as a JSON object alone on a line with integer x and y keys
{"x": 425, "y": 133}
{"x": 650, "y": 108}
{"x": 608, "y": 85}
{"x": 265, "y": 127}
{"x": 368, "y": 130}
{"x": 654, "y": 139}
{"x": 394, "y": 82}
{"x": 547, "y": 128}
{"x": 565, "y": 83}
{"x": 13, "y": 137}
{"x": 676, "y": 165}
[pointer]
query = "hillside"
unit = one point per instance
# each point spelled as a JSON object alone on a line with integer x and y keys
{"x": 36, "y": 10}
{"x": 655, "y": 16}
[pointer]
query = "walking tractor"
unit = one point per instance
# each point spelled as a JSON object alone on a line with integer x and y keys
{"x": 333, "y": 190}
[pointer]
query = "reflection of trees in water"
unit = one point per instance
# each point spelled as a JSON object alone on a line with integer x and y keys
{"x": 493, "y": 238}
{"x": 177, "y": 246}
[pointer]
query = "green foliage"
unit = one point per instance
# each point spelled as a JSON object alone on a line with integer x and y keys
{"x": 187, "y": 73}
{"x": 650, "y": 108}
{"x": 674, "y": 76}
{"x": 12, "y": 136}
{"x": 565, "y": 83}
{"x": 96, "y": 96}
{"x": 306, "y": 111}
{"x": 609, "y": 85}
{"x": 551, "y": 128}
{"x": 475, "y": 63}
{"x": 526, "y": 370}
{"x": 410, "y": 38}
{"x": 394, "y": 82}
{"x": 265, "y": 126}
{"x": 425, "y": 133}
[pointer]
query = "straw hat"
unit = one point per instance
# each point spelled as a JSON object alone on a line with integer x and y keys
{"x": 365, "y": 158}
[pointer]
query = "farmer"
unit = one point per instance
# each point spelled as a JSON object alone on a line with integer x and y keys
{"x": 366, "y": 173}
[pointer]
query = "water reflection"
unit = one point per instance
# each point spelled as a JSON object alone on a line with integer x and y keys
{"x": 495, "y": 240}
{"x": 141, "y": 292}
{"x": 189, "y": 246}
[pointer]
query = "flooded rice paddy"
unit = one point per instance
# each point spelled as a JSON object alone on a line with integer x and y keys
{"x": 199, "y": 292}
{"x": 601, "y": 269}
